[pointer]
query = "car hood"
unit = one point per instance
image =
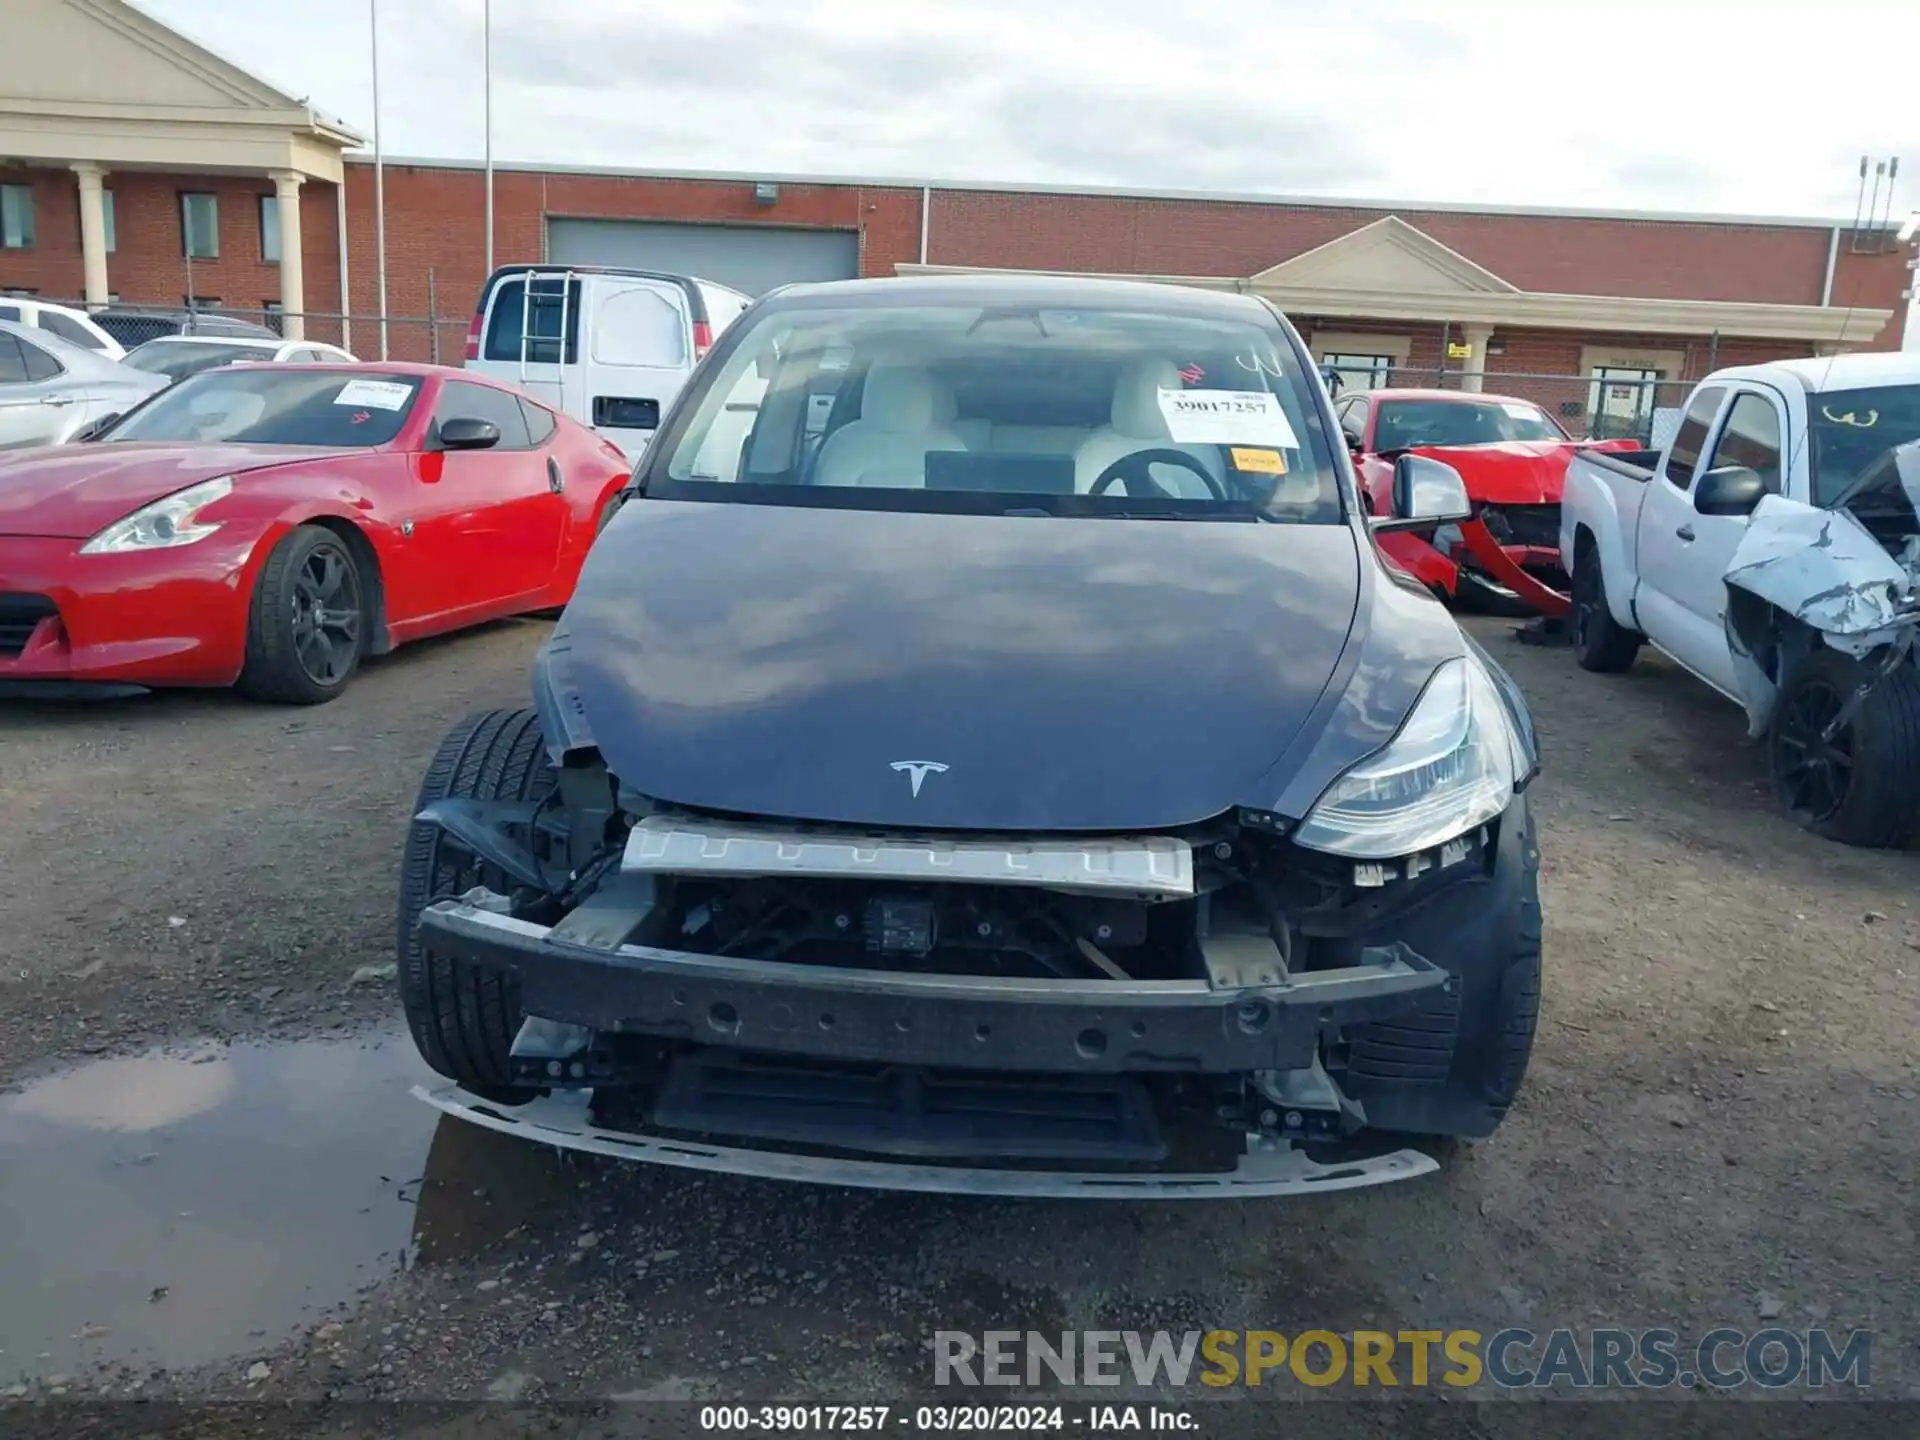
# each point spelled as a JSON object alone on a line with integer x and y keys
{"x": 1035, "y": 673}
{"x": 78, "y": 490}
{"x": 1516, "y": 472}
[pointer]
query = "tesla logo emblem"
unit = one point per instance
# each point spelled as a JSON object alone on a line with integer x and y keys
{"x": 918, "y": 770}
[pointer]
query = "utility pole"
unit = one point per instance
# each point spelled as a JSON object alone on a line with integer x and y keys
{"x": 486, "y": 50}
{"x": 379, "y": 179}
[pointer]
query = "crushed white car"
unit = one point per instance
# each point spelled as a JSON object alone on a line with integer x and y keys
{"x": 1772, "y": 547}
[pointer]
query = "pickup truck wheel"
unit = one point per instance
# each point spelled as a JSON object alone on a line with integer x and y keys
{"x": 1600, "y": 643}
{"x": 464, "y": 1018}
{"x": 1862, "y": 787}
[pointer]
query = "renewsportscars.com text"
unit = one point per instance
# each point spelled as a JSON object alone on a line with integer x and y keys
{"x": 1510, "y": 1359}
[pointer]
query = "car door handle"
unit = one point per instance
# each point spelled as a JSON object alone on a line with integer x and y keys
{"x": 554, "y": 482}
{"x": 1685, "y": 532}
{"x": 56, "y": 399}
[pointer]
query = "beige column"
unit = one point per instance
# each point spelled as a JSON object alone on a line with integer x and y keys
{"x": 293, "y": 298}
{"x": 1474, "y": 368}
{"x": 93, "y": 232}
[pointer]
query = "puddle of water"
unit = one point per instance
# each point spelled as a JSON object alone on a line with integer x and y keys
{"x": 180, "y": 1207}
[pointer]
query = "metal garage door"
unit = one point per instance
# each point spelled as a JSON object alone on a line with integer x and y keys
{"x": 751, "y": 258}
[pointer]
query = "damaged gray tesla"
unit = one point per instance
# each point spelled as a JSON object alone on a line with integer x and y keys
{"x": 987, "y": 752}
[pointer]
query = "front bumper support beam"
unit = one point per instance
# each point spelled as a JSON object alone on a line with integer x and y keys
{"x": 974, "y": 1022}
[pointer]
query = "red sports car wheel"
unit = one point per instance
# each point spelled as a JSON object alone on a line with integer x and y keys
{"x": 307, "y": 627}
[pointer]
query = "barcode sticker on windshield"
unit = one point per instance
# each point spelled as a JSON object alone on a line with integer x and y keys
{"x": 1226, "y": 417}
{"x": 1520, "y": 410}
{"x": 379, "y": 394}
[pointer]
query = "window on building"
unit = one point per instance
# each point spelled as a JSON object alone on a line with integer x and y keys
{"x": 1751, "y": 437}
{"x": 1691, "y": 438}
{"x": 16, "y": 217}
{"x": 272, "y": 312}
{"x": 200, "y": 225}
{"x": 270, "y": 229}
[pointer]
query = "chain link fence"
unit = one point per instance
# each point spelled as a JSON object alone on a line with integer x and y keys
{"x": 1605, "y": 405}
{"x": 428, "y": 339}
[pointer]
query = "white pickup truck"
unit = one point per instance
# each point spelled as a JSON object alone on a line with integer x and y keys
{"x": 1773, "y": 549}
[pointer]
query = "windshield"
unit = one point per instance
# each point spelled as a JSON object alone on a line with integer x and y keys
{"x": 1854, "y": 430}
{"x": 996, "y": 410}
{"x": 338, "y": 409}
{"x": 1404, "y": 424}
{"x": 177, "y": 359}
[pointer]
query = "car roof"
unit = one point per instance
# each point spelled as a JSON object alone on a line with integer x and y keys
{"x": 63, "y": 349}
{"x": 1040, "y": 291}
{"x": 1819, "y": 374}
{"x": 258, "y": 341}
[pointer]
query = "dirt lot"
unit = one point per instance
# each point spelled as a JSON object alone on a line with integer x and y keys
{"x": 1720, "y": 1124}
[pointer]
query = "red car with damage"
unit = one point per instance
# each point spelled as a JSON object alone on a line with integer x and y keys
{"x": 1513, "y": 456}
{"x": 267, "y": 526}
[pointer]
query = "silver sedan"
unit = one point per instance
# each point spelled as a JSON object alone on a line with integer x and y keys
{"x": 50, "y": 391}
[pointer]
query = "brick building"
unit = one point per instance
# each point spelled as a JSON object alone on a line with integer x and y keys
{"x": 161, "y": 173}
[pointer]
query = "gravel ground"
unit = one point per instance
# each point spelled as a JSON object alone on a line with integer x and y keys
{"x": 1719, "y": 1126}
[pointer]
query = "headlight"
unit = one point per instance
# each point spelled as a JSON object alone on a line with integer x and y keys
{"x": 1452, "y": 766}
{"x": 163, "y": 524}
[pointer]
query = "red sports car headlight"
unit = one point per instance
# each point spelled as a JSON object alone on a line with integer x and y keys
{"x": 167, "y": 522}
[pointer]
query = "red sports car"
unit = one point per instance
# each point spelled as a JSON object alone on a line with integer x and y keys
{"x": 268, "y": 525}
{"x": 1513, "y": 456}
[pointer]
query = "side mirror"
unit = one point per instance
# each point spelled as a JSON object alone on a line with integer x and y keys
{"x": 1425, "y": 492}
{"x": 461, "y": 433}
{"x": 1728, "y": 490}
{"x": 95, "y": 429}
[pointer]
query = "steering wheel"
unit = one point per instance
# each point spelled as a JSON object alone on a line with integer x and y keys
{"x": 1136, "y": 467}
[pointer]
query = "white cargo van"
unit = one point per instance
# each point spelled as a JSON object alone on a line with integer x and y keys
{"x": 610, "y": 347}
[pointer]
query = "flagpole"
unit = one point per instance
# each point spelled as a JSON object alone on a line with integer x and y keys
{"x": 486, "y": 22}
{"x": 379, "y": 178}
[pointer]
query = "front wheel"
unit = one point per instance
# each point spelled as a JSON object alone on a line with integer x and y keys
{"x": 1600, "y": 643}
{"x": 307, "y": 623}
{"x": 1861, "y": 786}
{"x": 463, "y": 1017}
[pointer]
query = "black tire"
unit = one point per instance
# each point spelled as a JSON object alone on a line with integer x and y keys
{"x": 464, "y": 1017}
{"x": 1863, "y": 787}
{"x": 1455, "y": 1065}
{"x": 1600, "y": 643}
{"x": 307, "y": 622}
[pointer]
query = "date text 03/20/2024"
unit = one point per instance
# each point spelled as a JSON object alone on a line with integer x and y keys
{"x": 941, "y": 1419}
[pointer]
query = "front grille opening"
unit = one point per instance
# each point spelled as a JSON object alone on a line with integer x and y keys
{"x": 934, "y": 929}
{"x": 20, "y": 616}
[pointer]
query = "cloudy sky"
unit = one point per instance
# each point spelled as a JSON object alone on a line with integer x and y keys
{"x": 1653, "y": 104}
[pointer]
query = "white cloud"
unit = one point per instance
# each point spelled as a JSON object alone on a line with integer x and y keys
{"x": 1649, "y": 104}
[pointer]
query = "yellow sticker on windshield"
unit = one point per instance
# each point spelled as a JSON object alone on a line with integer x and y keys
{"x": 1259, "y": 462}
